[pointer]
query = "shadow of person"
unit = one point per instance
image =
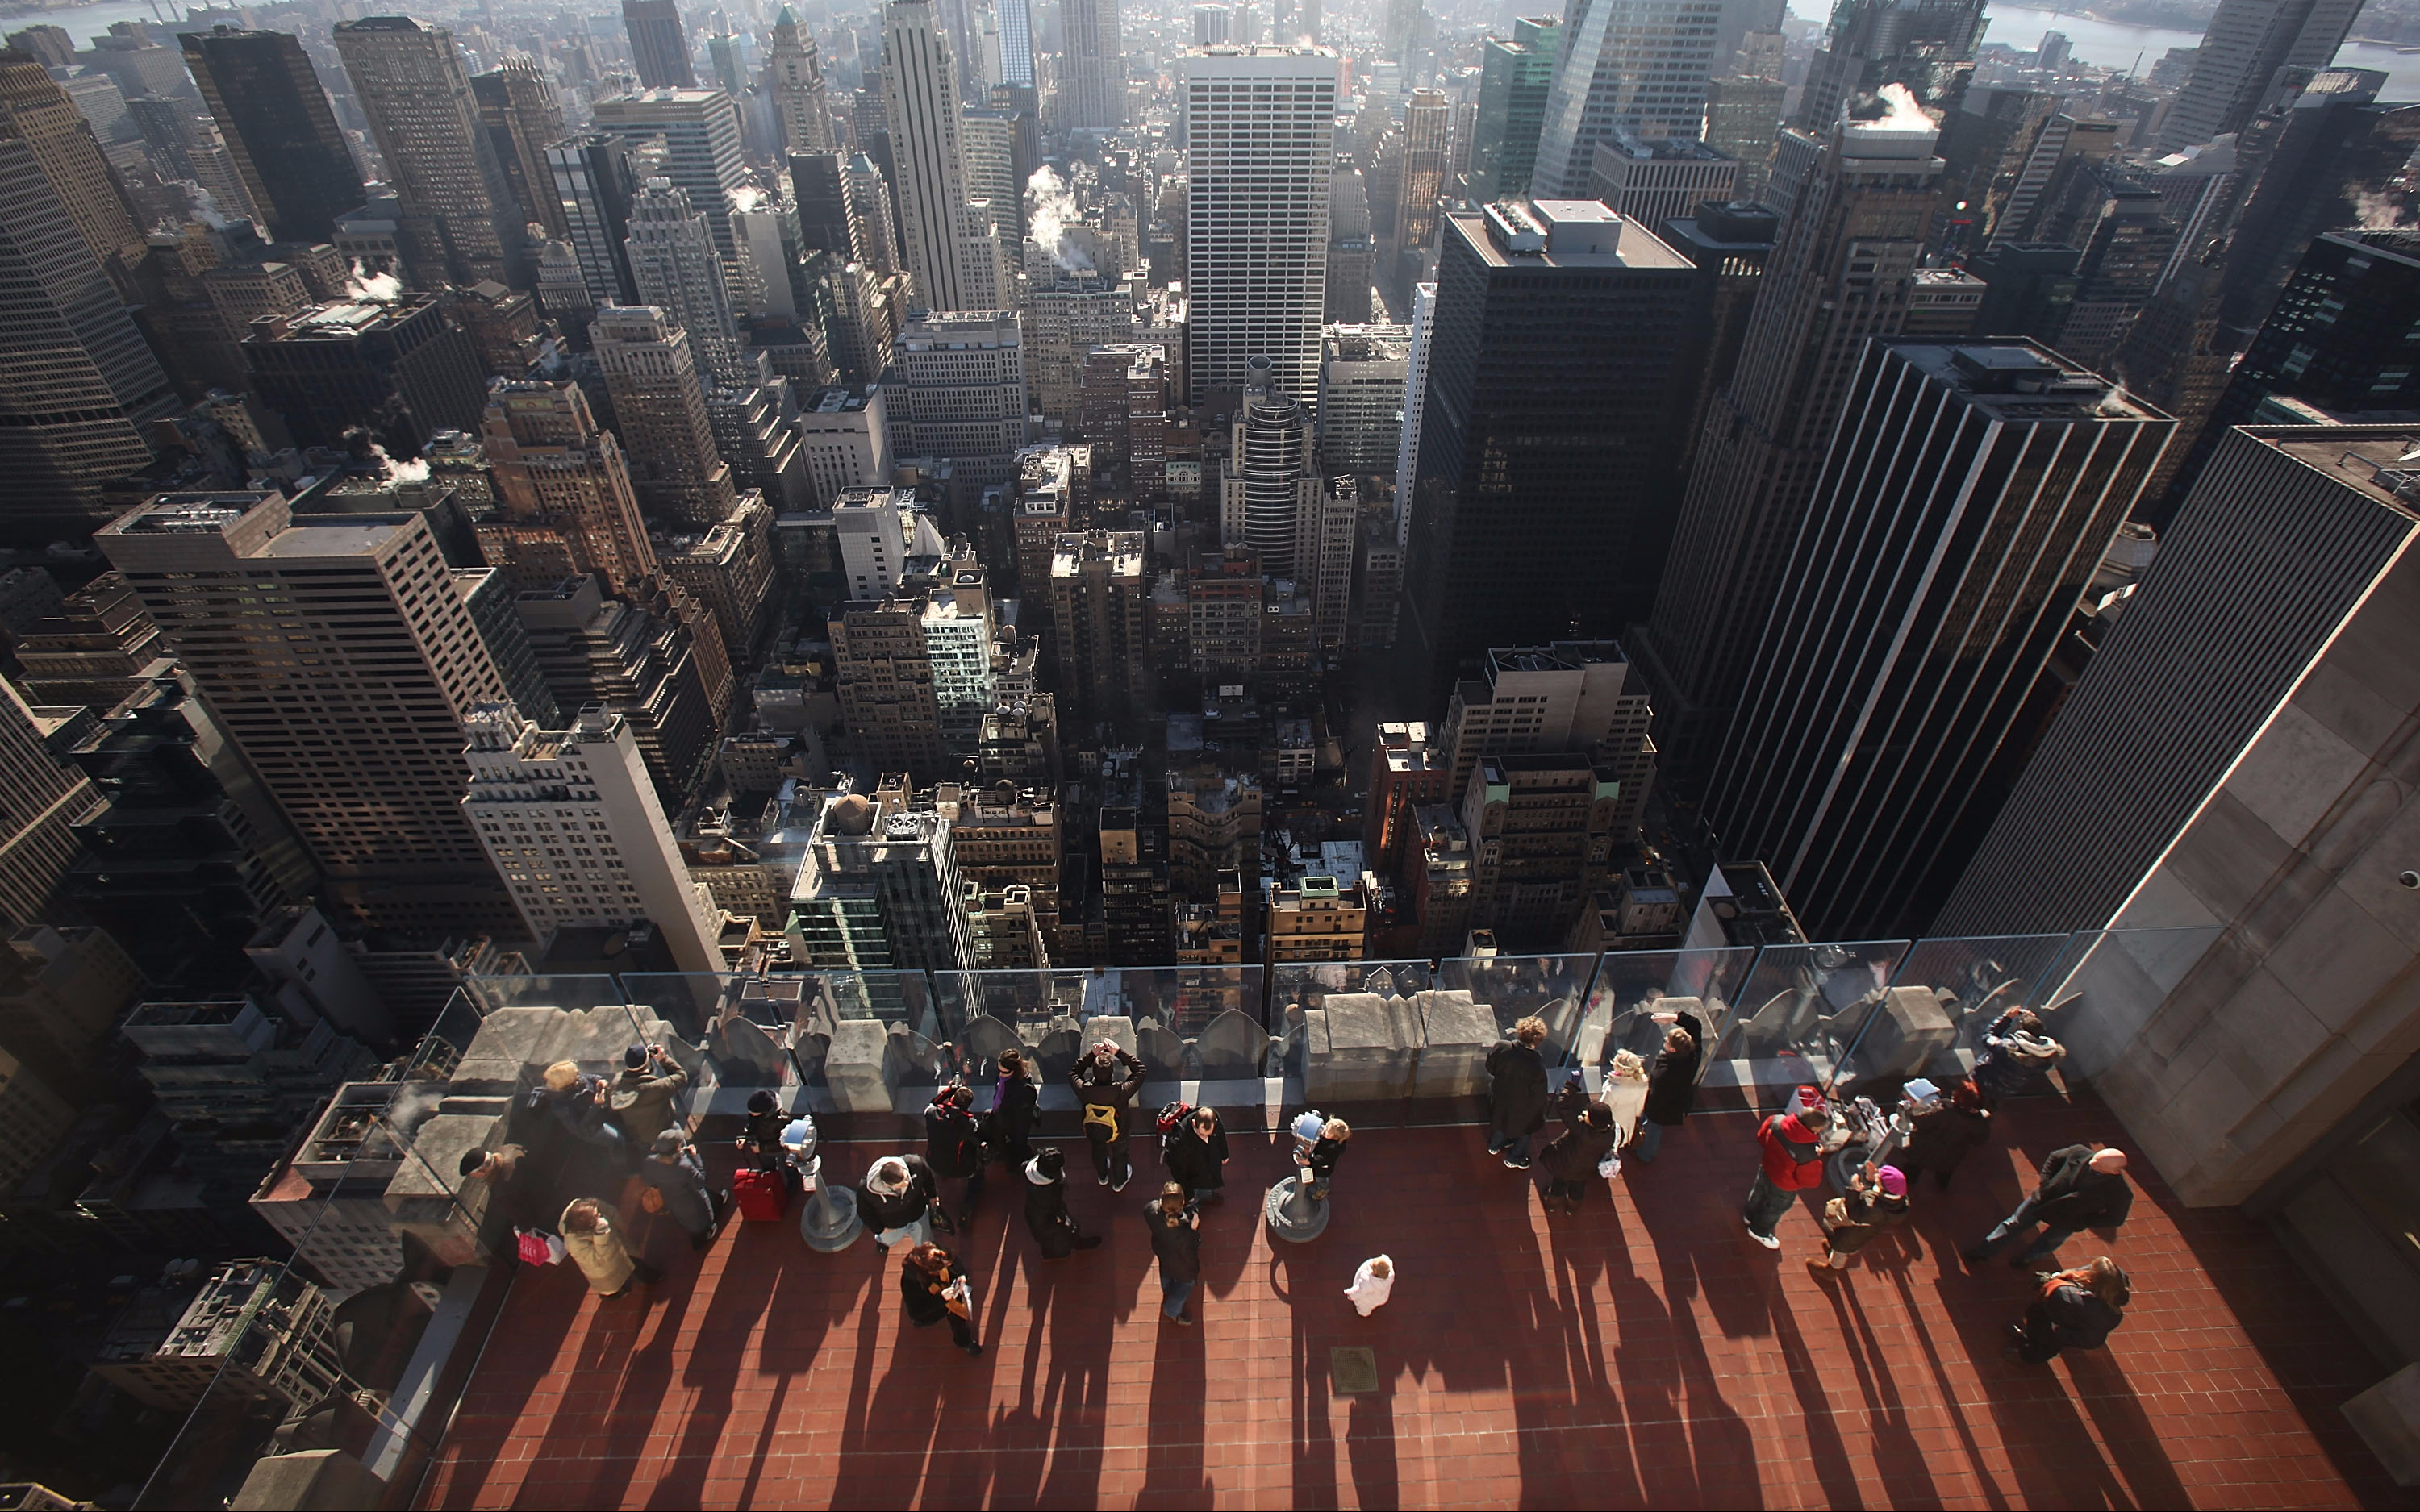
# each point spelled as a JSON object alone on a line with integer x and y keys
{"x": 1178, "y": 1433}
{"x": 2100, "y": 1384}
{"x": 1370, "y": 1446}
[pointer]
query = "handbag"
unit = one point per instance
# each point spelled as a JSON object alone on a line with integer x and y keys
{"x": 1610, "y": 1166}
{"x": 957, "y": 1299}
{"x": 537, "y": 1247}
{"x": 1836, "y": 1213}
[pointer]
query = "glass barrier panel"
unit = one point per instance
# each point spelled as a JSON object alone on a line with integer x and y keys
{"x": 1799, "y": 1010}
{"x": 2104, "y": 1001}
{"x": 1187, "y": 1023}
{"x": 1550, "y": 988}
{"x": 570, "y": 994}
{"x": 1631, "y": 987}
{"x": 1941, "y": 997}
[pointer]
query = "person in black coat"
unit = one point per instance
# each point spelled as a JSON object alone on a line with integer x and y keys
{"x": 1671, "y": 1082}
{"x": 760, "y": 1136}
{"x": 1176, "y": 1239}
{"x": 897, "y": 1198}
{"x": 1589, "y": 1135}
{"x": 1047, "y": 1217}
{"x": 953, "y": 1144}
{"x": 1105, "y": 1081}
{"x": 1015, "y": 1102}
{"x": 2076, "y": 1311}
{"x": 934, "y": 1287}
{"x": 1196, "y": 1156}
{"x": 1518, "y": 1098}
{"x": 1939, "y": 1137}
{"x": 2083, "y": 1186}
{"x": 1320, "y": 1158}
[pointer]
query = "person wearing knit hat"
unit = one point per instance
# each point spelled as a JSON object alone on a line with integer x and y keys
{"x": 1045, "y": 1207}
{"x": 761, "y": 1135}
{"x": 1876, "y": 1200}
{"x": 642, "y": 1097}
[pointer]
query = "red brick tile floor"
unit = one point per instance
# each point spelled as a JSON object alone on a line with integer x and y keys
{"x": 1646, "y": 1353}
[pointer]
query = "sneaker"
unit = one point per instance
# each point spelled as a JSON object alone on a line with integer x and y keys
{"x": 1765, "y": 1240}
{"x": 1511, "y": 1165}
{"x": 972, "y": 1350}
{"x": 1103, "y": 1180}
{"x": 1181, "y": 1320}
{"x": 1119, "y": 1184}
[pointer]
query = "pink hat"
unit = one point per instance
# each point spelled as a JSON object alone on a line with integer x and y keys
{"x": 1893, "y": 1181}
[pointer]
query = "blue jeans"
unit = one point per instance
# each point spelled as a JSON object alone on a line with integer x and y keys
{"x": 2016, "y": 1224}
{"x": 1650, "y": 1140}
{"x": 1766, "y": 1203}
{"x": 1204, "y": 1193}
{"x": 1516, "y": 1147}
{"x": 1172, "y": 1295}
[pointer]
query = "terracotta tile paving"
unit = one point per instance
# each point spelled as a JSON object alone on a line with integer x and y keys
{"x": 1646, "y": 1353}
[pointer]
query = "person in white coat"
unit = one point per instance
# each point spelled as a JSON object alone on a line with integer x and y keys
{"x": 1625, "y": 1092}
{"x": 1372, "y": 1285}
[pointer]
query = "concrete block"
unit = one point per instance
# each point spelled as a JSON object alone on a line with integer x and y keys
{"x": 743, "y": 1054}
{"x": 2338, "y": 957}
{"x": 1120, "y": 1028}
{"x": 1233, "y": 1046}
{"x": 1904, "y": 1033}
{"x": 860, "y": 1068}
{"x": 2294, "y": 773}
{"x": 1457, "y": 1033}
{"x": 1362, "y": 1048}
{"x": 1165, "y": 1053}
{"x": 314, "y": 1480}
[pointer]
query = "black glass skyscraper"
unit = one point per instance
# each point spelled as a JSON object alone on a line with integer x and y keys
{"x": 279, "y": 129}
{"x": 658, "y": 47}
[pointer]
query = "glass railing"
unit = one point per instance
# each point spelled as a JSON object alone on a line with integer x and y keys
{"x": 361, "y": 1331}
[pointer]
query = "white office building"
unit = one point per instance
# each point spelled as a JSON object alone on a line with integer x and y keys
{"x": 919, "y": 98}
{"x": 1361, "y": 376}
{"x": 871, "y": 525}
{"x": 845, "y": 441}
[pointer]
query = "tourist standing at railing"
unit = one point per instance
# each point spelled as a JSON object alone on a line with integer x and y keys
{"x": 1105, "y": 1081}
{"x": 1320, "y": 1158}
{"x": 954, "y": 1145}
{"x": 2077, "y": 1310}
{"x": 1792, "y": 1162}
{"x": 2016, "y": 1048}
{"x": 577, "y": 1099}
{"x": 1573, "y": 1156}
{"x": 517, "y": 1198}
{"x": 1014, "y": 1102}
{"x": 642, "y": 1097}
{"x": 677, "y": 1179}
{"x": 1671, "y": 1082}
{"x": 1047, "y": 1217}
{"x": 2083, "y": 1186}
{"x": 1941, "y": 1132}
{"x": 934, "y": 1289}
{"x": 897, "y": 1201}
{"x": 760, "y": 1136}
{"x": 1624, "y": 1094}
{"x": 1517, "y": 1100}
{"x": 1195, "y": 1154}
{"x": 1176, "y": 1239}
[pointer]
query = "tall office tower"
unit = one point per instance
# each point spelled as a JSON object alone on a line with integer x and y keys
{"x": 1417, "y": 352}
{"x": 660, "y": 409}
{"x": 1100, "y": 623}
{"x": 1352, "y": 259}
{"x": 572, "y": 824}
{"x": 1362, "y": 370}
{"x": 1091, "y": 66}
{"x": 2335, "y": 341}
{"x": 342, "y": 661}
{"x": 1622, "y": 66}
{"x": 955, "y": 605}
{"x": 2246, "y": 42}
{"x": 1744, "y": 25}
{"x": 1336, "y": 539}
{"x": 843, "y": 441}
{"x": 800, "y": 104}
{"x": 873, "y": 526}
{"x": 1744, "y": 123}
{"x": 1066, "y": 316}
{"x": 728, "y": 571}
{"x": 80, "y": 385}
{"x": 988, "y": 140}
{"x": 659, "y": 664}
{"x": 596, "y": 174}
{"x": 958, "y": 390}
{"x": 1582, "y": 698}
{"x": 57, "y": 144}
{"x": 821, "y": 195}
{"x": 1513, "y": 81}
{"x": 1927, "y": 45}
{"x": 183, "y": 143}
{"x": 1017, "y": 50}
{"x": 866, "y": 309}
{"x": 1653, "y": 181}
{"x": 2126, "y": 241}
{"x": 1855, "y": 207}
{"x": 458, "y": 221}
{"x": 986, "y": 280}
{"x": 703, "y": 154}
{"x": 874, "y": 215}
{"x": 1270, "y": 494}
{"x": 564, "y": 500}
{"x": 1986, "y": 144}
{"x": 1259, "y": 133}
{"x": 1210, "y": 24}
{"x": 1427, "y": 148}
{"x": 1730, "y": 245}
{"x": 658, "y": 47}
{"x": 1965, "y": 502}
{"x": 673, "y": 262}
{"x": 920, "y": 96}
{"x": 756, "y": 430}
{"x": 1545, "y": 486}
{"x": 882, "y": 673}
{"x": 40, "y": 799}
{"x": 278, "y": 127}
{"x": 1401, "y": 31}
{"x": 518, "y": 112}
{"x": 879, "y": 889}
{"x": 399, "y": 369}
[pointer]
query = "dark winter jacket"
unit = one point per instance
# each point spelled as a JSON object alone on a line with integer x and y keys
{"x": 1868, "y": 1213}
{"x": 2078, "y": 1319}
{"x": 1114, "y": 1089}
{"x": 762, "y": 1133}
{"x": 1195, "y": 1163}
{"x": 898, "y": 1210}
{"x": 2000, "y": 1071}
{"x": 921, "y": 1291}
{"x": 953, "y": 1145}
{"x": 1520, "y": 1088}
{"x": 1047, "y": 1217}
{"x": 1013, "y": 1105}
{"x": 1940, "y": 1136}
{"x": 1572, "y": 1155}
{"x": 1321, "y": 1160}
{"x": 1672, "y": 1081}
{"x": 581, "y": 1109}
{"x": 642, "y": 1102}
{"x": 2073, "y": 1195}
{"x": 1178, "y": 1245}
{"x": 1794, "y": 1153}
{"x": 681, "y": 1182}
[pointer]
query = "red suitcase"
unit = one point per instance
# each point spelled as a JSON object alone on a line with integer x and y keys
{"x": 763, "y": 1196}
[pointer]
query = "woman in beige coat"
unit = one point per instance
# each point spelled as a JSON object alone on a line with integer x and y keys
{"x": 591, "y": 1232}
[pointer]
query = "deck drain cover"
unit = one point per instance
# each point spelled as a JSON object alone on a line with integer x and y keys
{"x": 1351, "y": 1371}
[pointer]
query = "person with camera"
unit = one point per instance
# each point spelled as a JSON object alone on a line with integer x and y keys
{"x": 1105, "y": 1081}
{"x": 934, "y": 1287}
{"x": 1175, "y": 1226}
{"x": 953, "y": 1144}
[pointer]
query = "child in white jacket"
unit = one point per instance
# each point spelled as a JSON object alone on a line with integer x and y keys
{"x": 1372, "y": 1285}
{"x": 1625, "y": 1092}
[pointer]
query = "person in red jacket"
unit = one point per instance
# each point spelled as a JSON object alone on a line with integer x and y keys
{"x": 1793, "y": 1162}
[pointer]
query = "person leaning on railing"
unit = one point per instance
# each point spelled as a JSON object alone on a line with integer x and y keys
{"x": 1671, "y": 1082}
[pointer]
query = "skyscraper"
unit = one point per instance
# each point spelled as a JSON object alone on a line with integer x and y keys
{"x": 518, "y": 109}
{"x": 40, "y": 798}
{"x": 274, "y": 116}
{"x": 1927, "y": 45}
{"x": 1016, "y": 45}
{"x": 37, "y": 112}
{"x": 1260, "y": 133}
{"x": 1636, "y": 66}
{"x": 703, "y": 154}
{"x": 2246, "y": 42}
{"x": 1966, "y": 501}
{"x": 920, "y": 96}
{"x": 796, "y": 72}
{"x": 1270, "y": 494}
{"x": 1093, "y": 69}
{"x": 459, "y": 222}
{"x": 958, "y": 391}
{"x": 596, "y": 174}
{"x": 1428, "y": 146}
{"x": 399, "y": 369}
{"x": 673, "y": 261}
{"x": 341, "y": 657}
{"x": 659, "y": 47}
{"x": 564, "y": 500}
{"x": 1543, "y": 486}
{"x": 660, "y": 410}
{"x": 1513, "y": 81}
{"x": 1855, "y": 207}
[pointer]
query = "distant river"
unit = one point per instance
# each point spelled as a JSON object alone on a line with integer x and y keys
{"x": 2115, "y": 46}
